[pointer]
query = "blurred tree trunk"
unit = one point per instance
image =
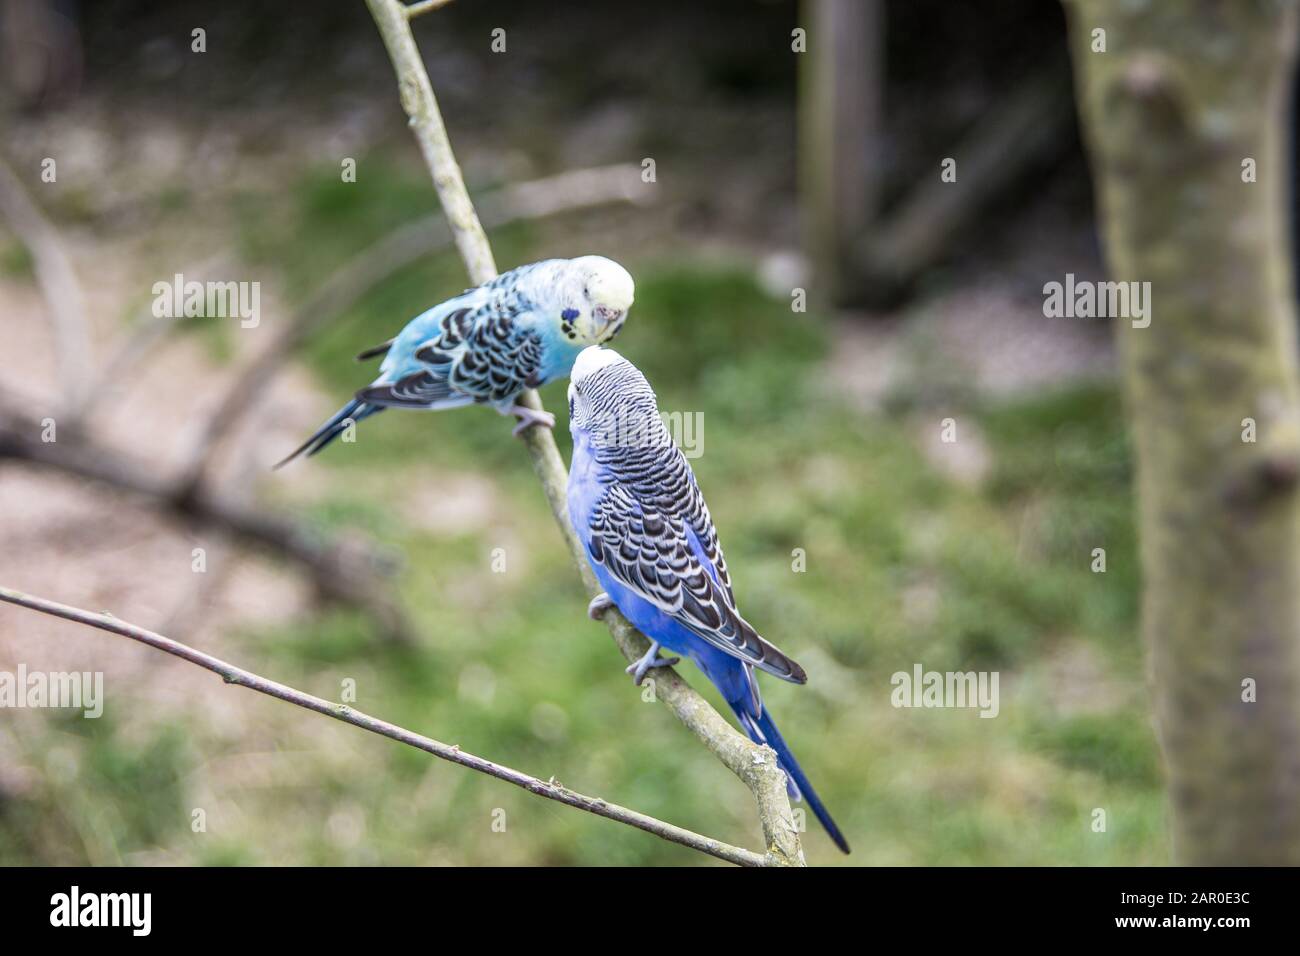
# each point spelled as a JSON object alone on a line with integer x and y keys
{"x": 1182, "y": 97}
{"x": 841, "y": 76}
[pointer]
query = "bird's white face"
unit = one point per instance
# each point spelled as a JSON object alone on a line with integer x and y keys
{"x": 581, "y": 402}
{"x": 596, "y": 299}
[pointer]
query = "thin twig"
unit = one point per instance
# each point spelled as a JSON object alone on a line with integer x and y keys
{"x": 349, "y": 715}
{"x": 755, "y": 765}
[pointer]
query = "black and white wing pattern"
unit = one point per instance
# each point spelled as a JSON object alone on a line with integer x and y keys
{"x": 498, "y": 359}
{"x": 650, "y": 528}
{"x": 478, "y": 347}
{"x": 417, "y": 390}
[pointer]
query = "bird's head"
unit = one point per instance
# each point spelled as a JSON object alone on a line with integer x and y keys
{"x": 594, "y": 298}
{"x": 611, "y": 399}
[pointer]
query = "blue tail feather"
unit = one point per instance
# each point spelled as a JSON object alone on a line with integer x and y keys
{"x": 762, "y": 730}
{"x": 353, "y": 411}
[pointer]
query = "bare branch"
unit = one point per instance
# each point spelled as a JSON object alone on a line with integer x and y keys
{"x": 341, "y": 571}
{"x": 756, "y": 766}
{"x": 426, "y": 123}
{"x": 58, "y": 282}
{"x": 450, "y": 752}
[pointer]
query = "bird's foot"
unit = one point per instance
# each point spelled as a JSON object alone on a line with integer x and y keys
{"x": 601, "y": 603}
{"x": 650, "y": 659}
{"x": 528, "y": 417}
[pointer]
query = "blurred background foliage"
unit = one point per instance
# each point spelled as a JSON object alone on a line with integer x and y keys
{"x": 909, "y": 557}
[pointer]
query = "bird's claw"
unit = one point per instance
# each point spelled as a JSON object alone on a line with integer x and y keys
{"x": 528, "y": 417}
{"x": 601, "y": 603}
{"x": 648, "y": 660}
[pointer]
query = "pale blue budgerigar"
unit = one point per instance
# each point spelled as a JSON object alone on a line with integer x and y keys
{"x": 520, "y": 330}
{"x": 646, "y": 530}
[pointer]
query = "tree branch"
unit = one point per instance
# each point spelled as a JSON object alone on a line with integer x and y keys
{"x": 755, "y": 766}
{"x": 450, "y": 752}
{"x": 340, "y": 572}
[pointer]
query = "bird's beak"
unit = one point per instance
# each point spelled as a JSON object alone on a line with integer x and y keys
{"x": 606, "y": 317}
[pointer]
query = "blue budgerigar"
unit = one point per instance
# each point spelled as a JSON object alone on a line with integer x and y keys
{"x": 520, "y": 330}
{"x": 638, "y": 511}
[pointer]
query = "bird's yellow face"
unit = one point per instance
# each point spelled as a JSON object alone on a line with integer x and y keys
{"x": 598, "y": 302}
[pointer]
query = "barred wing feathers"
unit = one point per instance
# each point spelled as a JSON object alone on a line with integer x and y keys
{"x": 647, "y": 547}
